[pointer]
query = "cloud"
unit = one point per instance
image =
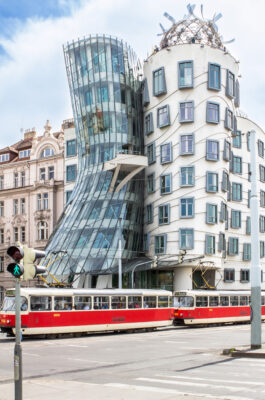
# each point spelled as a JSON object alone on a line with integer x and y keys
{"x": 33, "y": 78}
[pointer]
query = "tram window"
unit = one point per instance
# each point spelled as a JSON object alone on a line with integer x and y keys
{"x": 243, "y": 300}
{"x": 101, "y": 303}
{"x": 63, "y": 303}
{"x": 183, "y": 301}
{"x": 134, "y": 302}
{"x": 9, "y": 304}
{"x": 40, "y": 303}
{"x": 82, "y": 303}
{"x": 234, "y": 300}
{"x": 201, "y": 301}
{"x": 224, "y": 301}
{"x": 149, "y": 302}
{"x": 213, "y": 301}
{"x": 118, "y": 302}
{"x": 263, "y": 300}
{"x": 162, "y": 301}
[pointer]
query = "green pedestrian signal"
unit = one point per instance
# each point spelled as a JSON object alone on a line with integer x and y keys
{"x": 15, "y": 269}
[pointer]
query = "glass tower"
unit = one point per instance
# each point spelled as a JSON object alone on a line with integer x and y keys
{"x": 106, "y": 99}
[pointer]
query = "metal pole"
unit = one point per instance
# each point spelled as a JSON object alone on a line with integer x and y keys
{"x": 255, "y": 275}
{"x": 18, "y": 349}
{"x": 134, "y": 268}
{"x": 120, "y": 255}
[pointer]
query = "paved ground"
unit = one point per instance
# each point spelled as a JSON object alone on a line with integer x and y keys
{"x": 164, "y": 365}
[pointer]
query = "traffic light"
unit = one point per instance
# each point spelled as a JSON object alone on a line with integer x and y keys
{"x": 154, "y": 263}
{"x": 181, "y": 256}
{"x": 15, "y": 268}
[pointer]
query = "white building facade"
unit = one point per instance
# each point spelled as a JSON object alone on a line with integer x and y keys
{"x": 197, "y": 215}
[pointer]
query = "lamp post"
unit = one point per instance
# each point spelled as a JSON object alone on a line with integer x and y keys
{"x": 120, "y": 255}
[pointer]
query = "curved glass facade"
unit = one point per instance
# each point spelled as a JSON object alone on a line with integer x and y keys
{"x": 106, "y": 100}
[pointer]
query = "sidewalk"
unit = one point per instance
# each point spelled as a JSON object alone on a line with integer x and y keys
{"x": 245, "y": 352}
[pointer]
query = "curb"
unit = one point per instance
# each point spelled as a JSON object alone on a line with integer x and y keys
{"x": 243, "y": 353}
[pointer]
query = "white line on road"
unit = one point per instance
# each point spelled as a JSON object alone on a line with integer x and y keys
{"x": 210, "y": 379}
{"x": 90, "y": 361}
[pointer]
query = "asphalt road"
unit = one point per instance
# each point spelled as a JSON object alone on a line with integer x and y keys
{"x": 174, "y": 363}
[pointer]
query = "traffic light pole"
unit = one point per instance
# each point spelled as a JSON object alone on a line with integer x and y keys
{"x": 18, "y": 349}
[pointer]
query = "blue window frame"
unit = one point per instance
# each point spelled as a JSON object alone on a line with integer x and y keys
{"x": 237, "y": 94}
{"x": 262, "y": 223}
{"x": 248, "y": 226}
{"x": 149, "y": 213}
{"x": 229, "y": 119}
{"x": 235, "y": 219}
{"x": 71, "y": 171}
{"x": 214, "y": 76}
{"x": 262, "y": 198}
{"x": 212, "y": 150}
{"x": 164, "y": 214}
{"x": 187, "y": 207}
{"x": 70, "y": 148}
{"x": 187, "y": 144}
{"x": 211, "y": 213}
{"x": 151, "y": 153}
{"x": 186, "y": 111}
{"x": 165, "y": 184}
{"x": 236, "y": 191}
{"x": 185, "y": 74}
{"x": 160, "y": 244}
{"x": 211, "y": 182}
{"x": 261, "y": 148}
{"x": 237, "y": 139}
{"x": 262, "y": 173}
{"x": 230, "y": 84}
{"x": 237, "y": 165}
{"x": 187, "y": 176}
{"x": 151, "y": 183}
{"x": 159, "y": 82}
{"x": 262, "y": 254}
{"x": 163, "y": 116}
{"x": 229, "y": 275}
{"x": 246, "y": 257}
{"x": 225, "y": 181}
{"x": 212, "y": 112}
{"x": 232, "y": 246}
{"x": 209, "y": 244}
{"x": 227, "y": 150}
{"x": 186, "y": 239}
{"x": 166, "y": 153}
{"x": 148, "y": 123}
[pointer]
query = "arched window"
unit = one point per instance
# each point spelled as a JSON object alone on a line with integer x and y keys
{"x": 42, "y": 230}
{"x": 47, "y": 152}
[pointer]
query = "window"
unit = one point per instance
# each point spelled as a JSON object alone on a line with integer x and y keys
{"x": 211, "y": 213}
{"x": 186, "y": 238}
{"x": 227, "y": 150}
{"x": 71, "y": 173}
{"x": 235, "y": 219}
{"x": 62, "y": 303}
{"x": 187, "y": 207}
{"x": 1, "y": 182}
{"x": 151, "y": 153}
{"x": 15, "y": 206}
{"x": 248, "y": 226}
{"x": 187, "y": 176}
{"x": 185, "y": 74}
{"x": 262, "y": 249}
{"x": 2, "y": 260}
{"x": 2, "y": 237}
{"x": 186, "y": 144}
{"x": 165, "y": 153}
{"x": 51, "y": 172}
{"x": 159, "y": 82}
{"x": 211, "y": 182}
{"x": 42, "y": 174}
{"x": 22, "y": 234}
{"x": 145, "y": 92}
{"x": 236, "y": 191}
{"x": 165, "y": 184}
{"x": 246, "y": 251}
{"x": 4, "y": 157}
{"x": 212, "y": 113}
{"x": 42, "y": 201}
{"x": 221, "y": 242}
{"x": 160, "y": 244}
{"x": 214, "y": 76}
{"x": 163, "y": 214}
{"x": 201, "y": 301}
{"x": 232, "y": 246}
{"x": 23, "y": 178}
{"x": 2, "y": 204}
{"x": 209, "y": 244}
{"x": 236, "y": 139}
{"x": 70, "y": 148}
{"x": 261, "y": 148}
{"x": 186, "y": 111}
{"x": 262, "y": 198}
{"x": 118, "y": 302}
{"x": 83, "y": 303}
{"x": 42, "y": 230}
{"x": 151, "y": 183}
{"x": 15, "y": 234}
{"x": 24, "y": 153}
{"x": 22, "y": 206}
{"x": 212, "y": 150}
{"x": 68, "y": 195}
{"x": 146, "y": 242}
{"x": 47, "y": 152}
{"x": 225, "y": 181}
{"x": 262, "y": 173}
{"x": 262, "y": 223}
{"x": 229, "y": 275}
{"x": 229, "y": 119}
{"x": 103, "y": 93}
{"x": 249, "y": 172}
{"x": 236, "y": 165}
{"x": 249, "y": 197}
{"x": 248, "y": 141}
{"x": 163, "y": 117}
{"x": 223, "y": 212}
{"x": 15, "y": 179}
{"x": 149, "y": 213}
{"x": 148, "y": 124}
{"x": 230, "y": 84}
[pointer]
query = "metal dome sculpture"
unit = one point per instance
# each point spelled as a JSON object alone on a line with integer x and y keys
{"x": 192, "y": 29}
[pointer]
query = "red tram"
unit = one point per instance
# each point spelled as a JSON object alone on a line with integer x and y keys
{"x": 196, "y": 307}
{"x": 59, "y": 311}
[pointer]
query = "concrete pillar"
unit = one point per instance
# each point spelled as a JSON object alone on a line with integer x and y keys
{"x": 182, "y": 278}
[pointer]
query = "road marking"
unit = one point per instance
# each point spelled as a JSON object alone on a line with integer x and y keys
{"x": 210, "y": 379}
{"x": 171, "y": 391}
{"x": 205, "y": 385}
{"x": 89, "y": 361}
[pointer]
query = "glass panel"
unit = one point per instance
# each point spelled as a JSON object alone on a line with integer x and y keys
{"x": 183, "y": 301}
{"x": 234, "y": 300}
{"x": 162, "y": 301}
{"x": 201, "y": 301}
{"x": 118, "y": 302}
{"x": 134, "y": 302}
{"x": 41, "y": 303}
{"x": 63, "y": 303}
{"x": 224, "y": 301}
{"x": 101, "y": 303}
{"x": 149, "y": 302}
{"x": 213, "y": 301}
{"x": 82, "y": 302}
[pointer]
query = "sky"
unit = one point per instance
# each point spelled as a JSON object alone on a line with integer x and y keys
{"x": 33, "y": 82}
